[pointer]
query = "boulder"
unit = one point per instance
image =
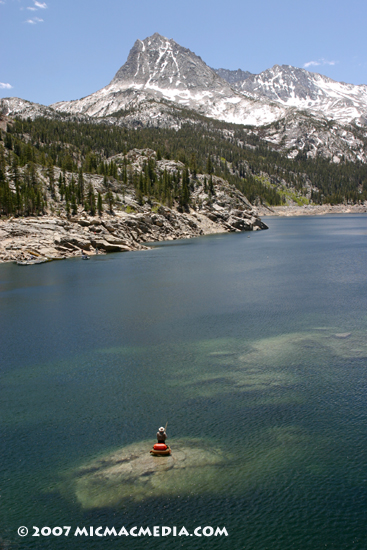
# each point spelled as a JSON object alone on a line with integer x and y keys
{"x": 260, "y": 224}
{"x": 83, "y": 222}
{"x": 73, "y": 240}
{"x": 116, "y": 240}
{"x": 157, "y": 220}
{"x": 237, "y": 223}
{"x": 103, "y": 244}
{"x": 108, "y": 225}
{"x": 49, "y": 252}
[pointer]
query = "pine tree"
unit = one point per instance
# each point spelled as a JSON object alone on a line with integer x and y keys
{"x": 185, "y": 191}
{"x": 125, "y": 171}
{"x": 74, "y": 207}
{"x": 72, "y": 184}
{"x": 67, "y": 190}
{"x": 51, "y": 177}
{"x": 80, "y": 190}
{"x": 109, "y": 198}
{"x": 8, "y": 142}
{"x": 211, "y": 186}
{"x": 99, "y": 204}
{"x": 91, "y": 199}
{"x": 61, "y": 187}
{"x": 141, "y": 183}
{"x": 6, "y": 195}
{"x": 209, "y": 166}
{"x": 193, "y": 166}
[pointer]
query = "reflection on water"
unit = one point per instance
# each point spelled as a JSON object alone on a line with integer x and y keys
{"x": 254, "y": 351}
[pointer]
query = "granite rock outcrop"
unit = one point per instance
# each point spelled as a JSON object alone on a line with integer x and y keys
{"x": 131, "y": 225}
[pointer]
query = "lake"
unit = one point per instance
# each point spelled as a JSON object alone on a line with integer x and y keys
{"x": 252, "y": 345}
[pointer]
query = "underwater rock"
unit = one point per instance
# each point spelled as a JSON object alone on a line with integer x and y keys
{"x": 132, "y": 473}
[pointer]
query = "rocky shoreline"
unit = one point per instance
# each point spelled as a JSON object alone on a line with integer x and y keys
{"x": 52, "y": 237}
{"x": 311, "y": 210}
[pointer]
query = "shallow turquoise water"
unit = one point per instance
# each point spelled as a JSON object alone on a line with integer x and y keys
{"x": 256, "y": 346}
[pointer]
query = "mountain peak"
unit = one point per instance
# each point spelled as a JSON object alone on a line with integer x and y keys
{"x": 156, "y": 35}
{"x": 158, "y": 62}
{"x": 155, "y": 38}
{"x": 158, "y": 70}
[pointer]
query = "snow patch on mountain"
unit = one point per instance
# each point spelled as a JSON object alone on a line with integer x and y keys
{"x": 304, "y": 90}
{"x": 20, "y": 107}
{"x": 158, "y": 68}
{"x": 163, "y": 84}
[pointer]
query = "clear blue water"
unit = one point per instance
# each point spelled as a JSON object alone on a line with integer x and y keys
{"x": 255, "y": 346}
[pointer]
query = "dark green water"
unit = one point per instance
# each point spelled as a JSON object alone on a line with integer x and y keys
{"x": 240, "y": 342}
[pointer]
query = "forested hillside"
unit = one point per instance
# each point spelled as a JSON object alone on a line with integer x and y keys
{"x": 207, "y": 147}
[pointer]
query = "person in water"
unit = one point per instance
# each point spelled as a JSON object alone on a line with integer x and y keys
{"x": 161, "y": 435}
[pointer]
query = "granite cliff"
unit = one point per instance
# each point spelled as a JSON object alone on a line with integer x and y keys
{"x": 133, "y": 221}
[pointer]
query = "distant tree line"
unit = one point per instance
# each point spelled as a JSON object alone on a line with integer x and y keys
{"x": 255, "y": 169}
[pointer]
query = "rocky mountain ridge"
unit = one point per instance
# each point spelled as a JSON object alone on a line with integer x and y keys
{"x": 158, "y": 69}
{"x": 163, "y": 84}
{"x": 304, "y": 90}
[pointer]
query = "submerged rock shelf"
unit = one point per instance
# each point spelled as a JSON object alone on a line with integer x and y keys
{"x": 132, "y": 473}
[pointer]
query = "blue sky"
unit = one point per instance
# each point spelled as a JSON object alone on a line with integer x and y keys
{"x": 57, "y": 50}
